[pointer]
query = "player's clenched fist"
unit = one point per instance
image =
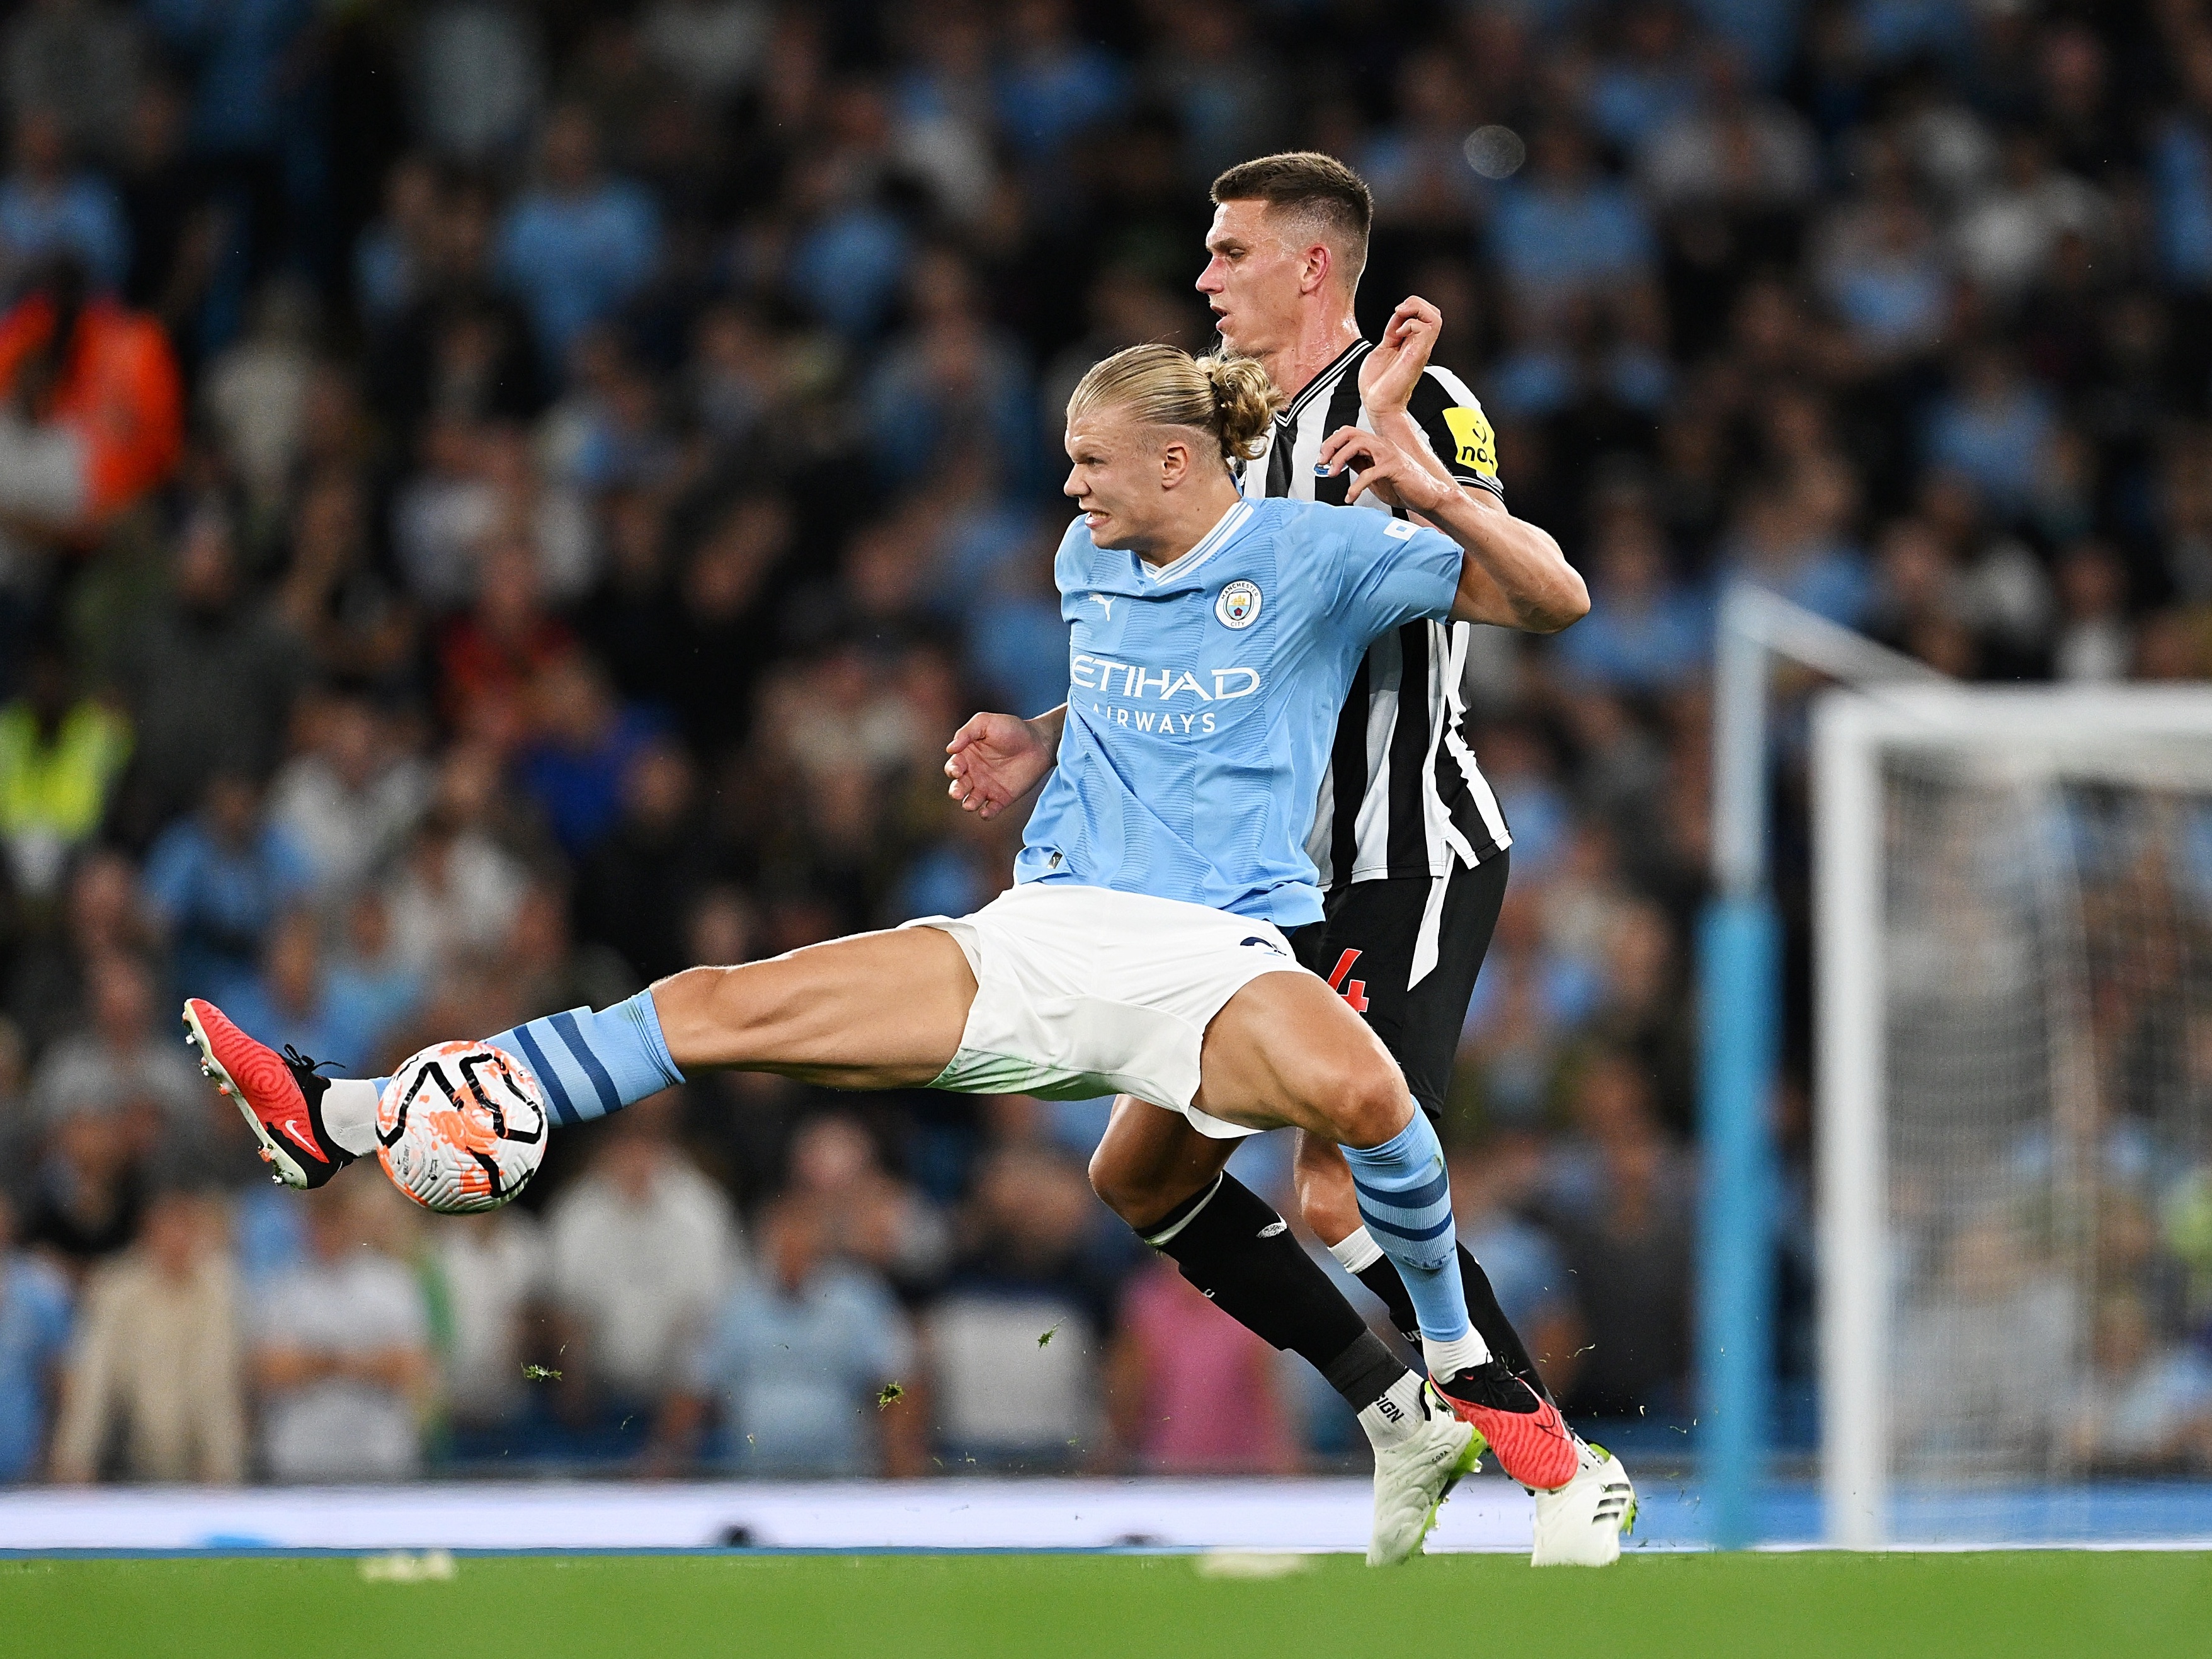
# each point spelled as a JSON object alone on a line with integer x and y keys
{"x": 996, "y": 759}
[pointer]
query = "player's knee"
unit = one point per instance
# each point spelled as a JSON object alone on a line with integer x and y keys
{"x": 1119, "y": 1188}
{"x": 1372, "y": 1105}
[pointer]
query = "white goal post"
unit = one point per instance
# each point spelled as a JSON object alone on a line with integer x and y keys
{"x": 1966, "y": 958}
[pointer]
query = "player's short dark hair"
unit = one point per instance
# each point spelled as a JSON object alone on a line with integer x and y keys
{"x": 1317, "y": 186}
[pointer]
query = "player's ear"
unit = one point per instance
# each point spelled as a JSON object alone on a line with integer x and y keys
{"x": 1174, "y": 462}
{"x": 1314, "y": 271}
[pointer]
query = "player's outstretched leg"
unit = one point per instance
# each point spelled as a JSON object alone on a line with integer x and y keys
{"x": 876, "y": 1010}
{"x": 1166, "y": 1180}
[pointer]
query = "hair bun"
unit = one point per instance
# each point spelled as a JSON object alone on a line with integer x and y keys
{"x": 1244, "y": 402}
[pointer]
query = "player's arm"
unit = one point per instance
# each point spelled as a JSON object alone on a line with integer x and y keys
{"x": 1512, "y": 573}
{"x": 1516, "y": 575}
{"x": 995, "y": 760}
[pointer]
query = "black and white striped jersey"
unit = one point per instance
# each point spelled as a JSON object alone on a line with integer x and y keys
{"x": 1402, "y": 795}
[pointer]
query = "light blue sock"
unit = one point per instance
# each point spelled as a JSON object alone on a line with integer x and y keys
{"x": 592, "y": 1064}
{"x": 1405, "y": 1198}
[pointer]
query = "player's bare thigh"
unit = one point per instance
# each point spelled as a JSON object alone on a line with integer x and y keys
{"x": 876, "y": 1010}
{"x": 1150, "y": 1160}
{"x": 1287, "y": 1049}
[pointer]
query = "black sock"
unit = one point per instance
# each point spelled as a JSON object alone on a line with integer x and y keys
{"x": 1482, "y": 1312}
{"x": 1237, "y": 1249}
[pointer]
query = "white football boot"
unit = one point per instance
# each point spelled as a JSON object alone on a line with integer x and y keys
{"x": 1413, "y": 1478}
{"x": 1581, "y": 1523}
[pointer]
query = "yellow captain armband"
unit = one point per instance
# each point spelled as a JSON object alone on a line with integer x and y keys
{"x": 1475, "y": 445}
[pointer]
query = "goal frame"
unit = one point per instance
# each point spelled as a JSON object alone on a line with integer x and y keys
{"x": 1853, "y": 731}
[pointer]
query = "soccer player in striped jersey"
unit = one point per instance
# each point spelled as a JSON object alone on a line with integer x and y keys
{"x": 1407, "y": 838}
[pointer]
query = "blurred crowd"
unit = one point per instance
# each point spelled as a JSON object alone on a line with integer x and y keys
{"x": 500, "y": 502}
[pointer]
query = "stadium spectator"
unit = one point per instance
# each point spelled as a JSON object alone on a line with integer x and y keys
{"x": 635, "y": 889}
{"x": 124, "y": 1053}
{"x": 584, "y": 745}
{"x": 157, "y": 1385}
{"x": 491, "y": 1270}
{"x": 2149, "y": 1409}
{"x": 46, "y": 208}
{"x": 340, "y": 1348}
{"x": 1650, "y": 632}
{"x": 59, "y": 755}
{"x": 86, "y": 1193}
{"x": 1052, "y": 85}
{"x": 367, "y": 976}
{"x": 34, "y": 1328}
{"x": 292, "y": 1001}
{"x": 1016, "y": 1340}
{"x": 809, "y": 1361}
{"x": 457, "y": 887}
{"x": 1191, "y": 1391}
{"x": 98, "y": 409}
{"x": 207, "y": 679}
{"x": 1619, "y": 1204}
{"x": 884, "y": 1223}
{"x": 350, "y": 796}
{"x": 1562, "y": 231}
{"x": 80, "y": 64}
{"x": 216, "y": 882}
{"x": 579, "y": 244}
{"x": 641, "y": 1251}
{"x": 1993, "y": 429}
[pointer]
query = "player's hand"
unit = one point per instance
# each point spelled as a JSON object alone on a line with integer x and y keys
{"x": 1393, "y": 369}
{"x": 994, "y": 760}
{"x": 1378, "y": 465}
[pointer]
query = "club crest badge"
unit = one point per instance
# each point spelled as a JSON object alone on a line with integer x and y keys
{"x": 1238, "y": 605}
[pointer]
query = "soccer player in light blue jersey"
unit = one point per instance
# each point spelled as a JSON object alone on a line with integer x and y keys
{"x": 1141, "y": 950}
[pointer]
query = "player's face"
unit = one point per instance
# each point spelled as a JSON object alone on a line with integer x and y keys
{"x": 1252, "y": 278}
{"x": 1114, "y": 477}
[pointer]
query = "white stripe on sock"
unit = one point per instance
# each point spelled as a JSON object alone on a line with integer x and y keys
{"x": 1448, "y": 1358}
{"x": 1357, "y": 1251}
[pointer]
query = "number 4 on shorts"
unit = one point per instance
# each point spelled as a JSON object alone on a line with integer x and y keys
{"x": 1356, "y": 991}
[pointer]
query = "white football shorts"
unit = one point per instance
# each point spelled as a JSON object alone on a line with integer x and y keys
{"x": 1084, "y": 990}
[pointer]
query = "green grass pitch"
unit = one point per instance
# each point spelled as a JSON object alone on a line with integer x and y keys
{"x": 2137, "y": 1606}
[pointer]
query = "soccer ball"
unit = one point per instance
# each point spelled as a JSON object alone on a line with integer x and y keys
{"x": 461, "y": 1128}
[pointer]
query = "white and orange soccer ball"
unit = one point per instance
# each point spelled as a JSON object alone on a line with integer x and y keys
{"x": 461, "y": 1128}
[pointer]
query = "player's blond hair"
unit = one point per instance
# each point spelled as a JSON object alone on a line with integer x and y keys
{"x": 1228, "y": 398}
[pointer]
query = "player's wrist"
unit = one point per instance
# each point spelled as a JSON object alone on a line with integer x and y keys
{"x": 1423, "y": 492}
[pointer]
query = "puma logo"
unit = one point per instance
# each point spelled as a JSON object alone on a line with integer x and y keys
{"x": 1274, "y": 1229}
{"x": 1104, "y": 602}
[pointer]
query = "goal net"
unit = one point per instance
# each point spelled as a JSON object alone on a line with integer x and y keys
{"x": 2014, "y": 929}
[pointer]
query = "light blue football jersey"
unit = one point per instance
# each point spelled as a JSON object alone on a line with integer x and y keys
{"x": 1202, "y": 698}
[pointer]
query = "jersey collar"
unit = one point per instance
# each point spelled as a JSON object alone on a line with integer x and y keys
{"x": 1226, "y": 529}
{"x": 1323, "y": 381}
